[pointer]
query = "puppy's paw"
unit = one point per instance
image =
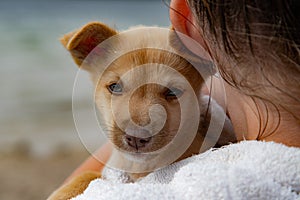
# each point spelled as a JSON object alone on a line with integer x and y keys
{"x": 74, "y": 187}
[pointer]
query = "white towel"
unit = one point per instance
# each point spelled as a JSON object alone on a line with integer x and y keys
{"x": 247, "y": 170}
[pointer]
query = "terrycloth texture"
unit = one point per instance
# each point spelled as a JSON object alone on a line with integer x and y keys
{"x": 247, "y": 170}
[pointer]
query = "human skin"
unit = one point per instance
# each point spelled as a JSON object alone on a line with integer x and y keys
{"x": 240, "y": 108}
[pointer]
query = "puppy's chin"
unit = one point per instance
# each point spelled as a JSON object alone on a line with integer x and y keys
{"x": 139, "y": 157}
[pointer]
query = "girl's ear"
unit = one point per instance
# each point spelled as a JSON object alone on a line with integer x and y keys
{"x": 81, "y": 42}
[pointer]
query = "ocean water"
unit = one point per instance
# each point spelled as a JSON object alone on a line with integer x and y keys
{"x": 37, "y": 74}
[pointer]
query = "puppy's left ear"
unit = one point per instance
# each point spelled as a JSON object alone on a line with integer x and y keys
{"x": 81, "y": 42}
{"x": 198, "y": 57}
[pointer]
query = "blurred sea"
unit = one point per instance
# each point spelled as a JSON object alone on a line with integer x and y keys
{"x": 37, "y": 74}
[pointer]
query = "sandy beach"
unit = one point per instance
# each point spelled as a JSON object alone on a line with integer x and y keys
{"x": 27, "y": 178}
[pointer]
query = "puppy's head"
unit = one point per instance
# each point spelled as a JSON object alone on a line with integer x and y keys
{"x": 144, "y": 96}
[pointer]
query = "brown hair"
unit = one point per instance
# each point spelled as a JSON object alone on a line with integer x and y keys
{"x": 260, "y": 39}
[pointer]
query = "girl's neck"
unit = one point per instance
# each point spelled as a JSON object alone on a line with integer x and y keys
{"x": 255, "y": 119}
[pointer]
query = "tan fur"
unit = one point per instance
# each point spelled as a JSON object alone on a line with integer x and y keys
{"x": 74, "y": 187}
{"x": 146, "y": 96}
{"x": 80, "y": 43}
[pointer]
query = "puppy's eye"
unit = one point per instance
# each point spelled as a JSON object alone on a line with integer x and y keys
{"x": 115, "y": 88}
{"x": 173, "y": 93}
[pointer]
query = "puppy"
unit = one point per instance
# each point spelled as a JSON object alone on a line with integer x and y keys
{"x": 149, "y": 96}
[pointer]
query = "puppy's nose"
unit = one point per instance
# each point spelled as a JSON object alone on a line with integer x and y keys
{"x": 137, "y": 142}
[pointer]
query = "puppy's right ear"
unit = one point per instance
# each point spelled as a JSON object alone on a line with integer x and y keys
{"x": 81, "y": 42}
